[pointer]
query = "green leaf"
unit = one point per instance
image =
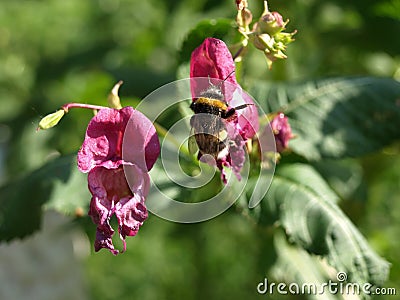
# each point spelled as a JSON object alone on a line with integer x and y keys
{"x": 345, "y": 177}
{"x": 336, "y": 118}
{"x": 285, "y": 270}
{"x": 221, "y": 29}
{"x": 389, "y": 8}
{"x": 305, "y": 207}
{"x": 57, "y": 184}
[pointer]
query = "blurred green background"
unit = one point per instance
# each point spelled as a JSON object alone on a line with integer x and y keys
{"x": 53, "y": 52}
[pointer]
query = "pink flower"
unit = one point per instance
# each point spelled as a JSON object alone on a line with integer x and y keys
{"x": 112, "y": 136}
{"x": 212, "y": 59}
{"x": 282, "y": 132}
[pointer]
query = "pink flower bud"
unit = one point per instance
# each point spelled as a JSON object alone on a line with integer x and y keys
{"x": 282, "y": 131}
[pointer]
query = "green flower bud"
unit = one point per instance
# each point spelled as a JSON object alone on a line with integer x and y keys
{"x": 244, "y": 18}
{"x": 267, "y": 35}
{"x": 271, "y": 23}
{"x": 51, "y": 120}
{"x": 263, "y": 41}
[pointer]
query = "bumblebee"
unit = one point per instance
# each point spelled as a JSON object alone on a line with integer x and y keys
{"x": 211, "y": 111}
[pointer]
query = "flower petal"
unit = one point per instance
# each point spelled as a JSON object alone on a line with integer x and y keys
{"x": 140, "y": 144}
{"x": 247, "y": 117}
{"x": 109, "y": 185}
{"x": 138, "y": 181}
{"x": 211, "y": 59}
{"x": 104, "y": 240}
{"x": 111, "y": 194}
{"x": 238, "y": 155}
{"x": 100, "y": 211}
{"x": 103, "y": 139}
{"x": 131, "y": 213}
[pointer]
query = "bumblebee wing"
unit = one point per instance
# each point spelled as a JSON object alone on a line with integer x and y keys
{"x": 192, "y": 143}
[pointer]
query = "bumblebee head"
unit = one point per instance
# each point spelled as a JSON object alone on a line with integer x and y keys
{"x": 213, "y": 92}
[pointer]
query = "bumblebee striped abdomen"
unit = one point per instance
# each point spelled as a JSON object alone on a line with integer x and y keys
{"x": 211, "y": 112}
{"x": 208, "y": 124}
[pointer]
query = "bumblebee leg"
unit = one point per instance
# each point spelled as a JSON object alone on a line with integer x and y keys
{"x": 243, "y": 106}
{"x": 229, "y": 113}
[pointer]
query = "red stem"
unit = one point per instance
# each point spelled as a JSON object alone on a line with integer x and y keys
{"x": 67, "y": 106}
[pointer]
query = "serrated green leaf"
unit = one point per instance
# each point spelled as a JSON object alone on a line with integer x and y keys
{"x": 336, "y": 118}
{"x": 224, "y": 29}
{"x": 287, "y": 271}
{"x": 58, "y": 185}
{"x": 345, "y": 177}
{"x": 303, "y": 205}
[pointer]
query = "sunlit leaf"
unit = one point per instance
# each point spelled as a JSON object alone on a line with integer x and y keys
{"x": 336, "y": 118}
{"x": 285, "y": 270}
{"x": 345, "y": 177}
{"x": 303, "y": 205}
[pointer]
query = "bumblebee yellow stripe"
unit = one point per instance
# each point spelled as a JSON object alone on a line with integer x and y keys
{"x": 212, "y": 102}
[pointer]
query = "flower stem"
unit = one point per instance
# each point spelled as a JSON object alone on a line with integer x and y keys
{"x": 67, "y": 106}
{"x": 236, "y": 55}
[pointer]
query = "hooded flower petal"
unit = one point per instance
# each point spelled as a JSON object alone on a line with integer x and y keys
{"x": 103, "y": 141}
{"x": 140, "y": 144}
{"x": 212, "y": 59}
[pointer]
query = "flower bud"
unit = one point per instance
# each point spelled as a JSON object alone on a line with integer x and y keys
{"x": 51, "y": 120}
{"x": 244, "y": 18}
{"x": 113, "y": 98}
{"x": 271, "y": 23}
{"x": 241, "y": 4}
{"x": 282, "y": 132}
{"x": 267, "y": 35}
{"x": 263, "y": 41}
